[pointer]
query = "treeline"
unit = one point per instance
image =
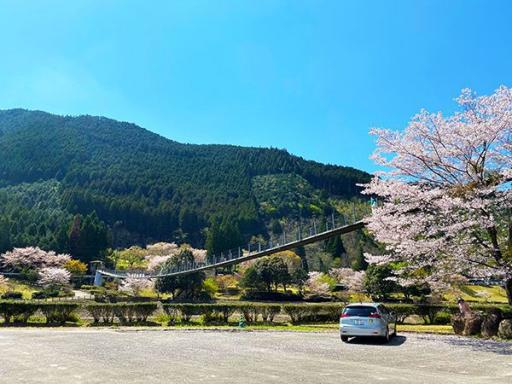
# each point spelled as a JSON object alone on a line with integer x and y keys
{"x": 143, "y": 187}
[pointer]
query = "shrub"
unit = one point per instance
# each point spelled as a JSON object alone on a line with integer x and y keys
{"x": 12, "y": 296}
{"x": 172, "y": 312}
{"x": 300, "y": 313}
{"x": 402, "y": 311}
{"x": 58, "y": 313}
{"x": 131, "y": 312}
{"x": 17, "y": 311}
{"x": 269, "y": 311}
{"x": 297, "y": 312}
{"x": 126, "y": 313}
{"x": 250, "y": 312}
{"x": 101, "y": 312}
{"x": 45, "y": 294}
{"x": 224, "y": 311}
{"x": 442, "y": 318}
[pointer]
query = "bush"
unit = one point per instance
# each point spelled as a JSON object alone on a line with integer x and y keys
{"x": 17, "y": 311}
{"x": 58, "y": 313}
{"x": 442, "y": 318}
{"x": 224, "y": 311}
{"x": 402, "y": 311}
{"x": 45, "y": 294}
{"x": 126, "y": 313}
{"x": 300, "y": 313}
{"x": 133, "y": 312}
{"x": 268, "y": 312}
{"x": 12, "y": 295}
{"x": 212, "y": 313}
{"x": 101, "y": 312}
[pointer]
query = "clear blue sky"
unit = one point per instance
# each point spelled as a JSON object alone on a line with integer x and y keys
{"x": 308, "y": 76}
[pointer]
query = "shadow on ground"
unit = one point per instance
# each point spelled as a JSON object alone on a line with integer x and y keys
{"x": 394, "y": 342}
{"x": 481, "y": 345}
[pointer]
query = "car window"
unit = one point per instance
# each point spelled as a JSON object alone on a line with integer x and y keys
{"x": 360, "y": 310}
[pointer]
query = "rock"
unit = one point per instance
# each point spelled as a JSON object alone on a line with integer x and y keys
{"x": 473, "y": 323}
{"x": 491, "y": 323}
{"x": 505, "y": 329}
{"x": 458, "y": 324}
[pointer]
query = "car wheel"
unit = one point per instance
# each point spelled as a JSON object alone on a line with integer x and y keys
{"x": 344, "y": 338}
{"x": 387, "y": 336}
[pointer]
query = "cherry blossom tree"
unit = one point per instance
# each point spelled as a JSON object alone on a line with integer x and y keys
{"x": 53, "y": 277}
{"x": 155, "y": 262}
{"x": 319, "y": 284}
{"x": 445, "y": 199}
{"x": 351, "y": 279}
{"x": 32, "y": 258}
{"x": 134, "y": 285}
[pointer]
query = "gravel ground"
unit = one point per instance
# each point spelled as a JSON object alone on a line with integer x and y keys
{"x": 39, "y": 355}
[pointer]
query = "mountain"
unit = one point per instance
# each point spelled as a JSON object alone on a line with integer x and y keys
{"x": 140, "y": 187}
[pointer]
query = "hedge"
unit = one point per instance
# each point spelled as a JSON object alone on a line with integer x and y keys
{"x": 20, "y": 311}
{"x": 126, "y": 313}
{"x": 58, "y": 313}
{"x": 17, "y": 311}
{"x": 431, "y": 312}
{"x": 253, "y": 312}
{"x": 325, "y": 312}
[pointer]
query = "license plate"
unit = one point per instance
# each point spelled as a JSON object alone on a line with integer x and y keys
{"x": 358, "y": 322}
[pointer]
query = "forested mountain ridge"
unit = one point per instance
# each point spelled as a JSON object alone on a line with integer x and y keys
{"x": 143, "y": 186}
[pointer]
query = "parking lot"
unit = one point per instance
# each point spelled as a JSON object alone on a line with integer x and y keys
{"x": 156, "y": 356}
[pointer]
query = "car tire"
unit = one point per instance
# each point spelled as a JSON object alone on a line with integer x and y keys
{"x": 344, "y": 339}
{"x": 387, "y": 337}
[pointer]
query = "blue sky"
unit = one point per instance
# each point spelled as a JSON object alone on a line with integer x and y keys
{"x": 308, "y": 76}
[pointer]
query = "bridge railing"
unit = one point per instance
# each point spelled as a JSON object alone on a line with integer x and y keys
{"x": 292, "y": 231}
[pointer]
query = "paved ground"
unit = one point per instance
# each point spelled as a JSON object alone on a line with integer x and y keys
{"x": 157, "y": 356}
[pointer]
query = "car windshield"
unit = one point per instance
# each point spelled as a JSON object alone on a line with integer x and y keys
{"x": 361, "y": 311}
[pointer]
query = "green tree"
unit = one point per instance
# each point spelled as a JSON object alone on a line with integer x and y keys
{"x": 183, "y": 287}
{"x": 376, "y": 281}
{"x": 359, "y": 263}
{"x": 5, "y": 235}
{"x": 88, "y": 238}
{"x": 267, "y": 273}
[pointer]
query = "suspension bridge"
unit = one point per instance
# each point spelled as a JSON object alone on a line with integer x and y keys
{"x": 305, "y": 233}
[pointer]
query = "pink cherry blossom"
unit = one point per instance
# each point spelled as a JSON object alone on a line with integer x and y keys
{"x": 53, "y": 276}
{"x": 445, "y": 198}
{"x": 134, "y": 285}
{"x": 32, "y": 258}
{"x": 351, "y": 279}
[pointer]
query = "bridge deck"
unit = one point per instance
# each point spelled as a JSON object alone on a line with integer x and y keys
{"x": 253, "y": 255}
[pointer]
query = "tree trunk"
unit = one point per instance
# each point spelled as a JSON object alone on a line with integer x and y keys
{"x": 508, "y": 289}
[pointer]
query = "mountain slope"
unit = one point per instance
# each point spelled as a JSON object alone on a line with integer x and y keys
{"x": 146, "y": 187}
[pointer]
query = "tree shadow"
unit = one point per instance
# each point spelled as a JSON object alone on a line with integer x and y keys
{"x": 39, "y": 325}
{"x": 481, "y": 345}
{"x": 394, "y": 342}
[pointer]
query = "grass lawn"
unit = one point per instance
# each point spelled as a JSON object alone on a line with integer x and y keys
{"x": 327, "y": 327}
{"x": 25, "y": 289}
{"x": 478, "y": 293}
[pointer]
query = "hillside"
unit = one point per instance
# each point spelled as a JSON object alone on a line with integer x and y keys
{"x": 144, "y": 187}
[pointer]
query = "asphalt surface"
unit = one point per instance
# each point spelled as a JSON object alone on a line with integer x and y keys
{"x": 178, "y": 356}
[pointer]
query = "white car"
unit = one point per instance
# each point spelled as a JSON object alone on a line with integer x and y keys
{"x": 367, "y": 319}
